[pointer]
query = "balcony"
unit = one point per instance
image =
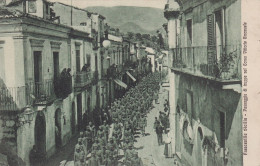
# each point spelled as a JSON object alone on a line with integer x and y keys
{"x": 111, "y": 72}
{"x": 82, "y": 79}
{"x": 14, "y": 98}
{"x": 95, "y": 77}
{"x": 215, "y": 62}
{"x": 42, "y": 93}
{"x": 34, "y": 93}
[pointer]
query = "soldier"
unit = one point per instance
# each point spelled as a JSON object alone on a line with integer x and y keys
{"x": 78, "y": 157}
{"x": 93, "y": 161}
{"x": 92, "y": 129}
{"x": 95, "y": 145}
{"x": 129, "y": 152}
{"x": 88, "y": 138}
{"x": 143, "y": 125}
{"x": 156, "y": 123}
{"x": 136, "y": 161}
{"x": 100, "y": 156}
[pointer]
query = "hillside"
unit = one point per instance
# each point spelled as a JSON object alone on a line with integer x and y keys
{"x": 133, "y": 19}
{"x": 131, "y": 27}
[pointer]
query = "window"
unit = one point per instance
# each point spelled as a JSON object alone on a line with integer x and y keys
{"x": 56, "y": 65}
{"x": 189, "y": 33}
{"x": 219, "y": 32}
{"x": 88, "y": 59}
{"x": 47, "y": 8}
{"x": 83, "y": 24}
{"x": 32, "y": 7}
{"x": 77, "y": 60}
{"x": 96, "y": 62}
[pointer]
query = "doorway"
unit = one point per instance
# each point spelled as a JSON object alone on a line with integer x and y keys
{"x": 40, "y": 134}
{"x": 58, "y": 128}
{"x": 73, "y": 119}
{"x": 199, "y": 146}
{"x": 79, "y": 111}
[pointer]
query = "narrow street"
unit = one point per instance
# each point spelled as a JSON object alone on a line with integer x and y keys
{"x": 148, "y": 148}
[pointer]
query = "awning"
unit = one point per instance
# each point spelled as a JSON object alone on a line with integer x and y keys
{"x": 132, "y": 77}
{"x": 120, "y": 83}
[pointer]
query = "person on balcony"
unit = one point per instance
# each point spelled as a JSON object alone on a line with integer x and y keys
{"x": 62, "y": 84}
{"x": 84, "y": 68}
{"x": 68, "y": 81}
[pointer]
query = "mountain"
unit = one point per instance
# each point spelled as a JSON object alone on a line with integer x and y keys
{"x": 131, "y": 27}
{"x": 130, "y": 18}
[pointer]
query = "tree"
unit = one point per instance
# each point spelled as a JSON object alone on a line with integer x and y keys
{"x": 146, "y": 36}
{"x": 138, "y": 37}
{"x": 154, "y": 39}
{"x": 130, "y": 35}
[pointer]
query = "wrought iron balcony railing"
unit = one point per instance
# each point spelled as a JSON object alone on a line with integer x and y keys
{"x": 13, "y": 98}
{"x": 41, "y": 92}
{"x": 82, "y": 79}
{"x": 222, "y": 62}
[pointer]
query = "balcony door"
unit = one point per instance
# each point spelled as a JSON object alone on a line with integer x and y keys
{"x": 37, "y": 66}
{"x": 78, "y": 60}
{"x": 56, "y": 69}
{"x": 38, "y": 73}
{"x": 188, "y": 56}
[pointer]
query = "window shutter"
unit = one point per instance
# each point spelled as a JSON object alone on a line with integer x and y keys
{"x": 211, "y": 40}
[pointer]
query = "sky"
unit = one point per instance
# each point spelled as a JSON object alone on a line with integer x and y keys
{"x": 141, "y": 3}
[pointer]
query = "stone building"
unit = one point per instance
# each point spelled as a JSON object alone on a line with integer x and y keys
{"x": 39, "y": 103}
{"x": 55, "y": 73}
{"x": 205, "y": 81}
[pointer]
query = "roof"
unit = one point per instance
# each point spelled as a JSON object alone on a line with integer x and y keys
{"x": 6, "y": 13}
{"x": 15, "y": 2}
{"x": 101, "y": 16}
{"x": 150, "y": 50}
{"x": 9, "y": 13}
{"x": 73, "y": 7}
{"x": 115, "y": 38}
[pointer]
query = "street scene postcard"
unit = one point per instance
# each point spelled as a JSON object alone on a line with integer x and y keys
{"x": 129, "y": 82}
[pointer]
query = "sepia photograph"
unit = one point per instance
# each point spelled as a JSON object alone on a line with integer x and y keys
{"x": 123, "y": 83}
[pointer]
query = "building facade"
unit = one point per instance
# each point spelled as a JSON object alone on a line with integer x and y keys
{"x": 39, "y": 105}
{"x": 205, "y": 81}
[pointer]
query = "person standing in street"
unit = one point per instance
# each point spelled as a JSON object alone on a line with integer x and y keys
{"x": 159, "y": 132}
{"x": 168, "y": 148}
{"x": 156, "y": 127}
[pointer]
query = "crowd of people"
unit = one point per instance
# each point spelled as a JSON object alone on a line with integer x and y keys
{"x": 127, "y": 116}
